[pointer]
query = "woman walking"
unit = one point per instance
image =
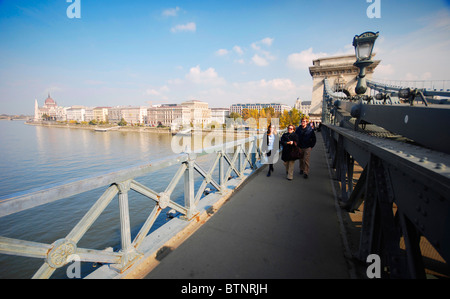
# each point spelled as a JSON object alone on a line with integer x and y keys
{"x": 290, "y": 152}
{"x": 270, "y": 146}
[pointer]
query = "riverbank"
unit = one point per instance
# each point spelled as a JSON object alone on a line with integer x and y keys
{"x": 94, "y": 127}
{"x": 164, "y": 130}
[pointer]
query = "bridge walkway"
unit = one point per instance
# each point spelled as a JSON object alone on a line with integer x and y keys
{"x": 271, "y": 228}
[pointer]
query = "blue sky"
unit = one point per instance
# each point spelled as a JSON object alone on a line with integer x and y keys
{"x": 222, "y": 52}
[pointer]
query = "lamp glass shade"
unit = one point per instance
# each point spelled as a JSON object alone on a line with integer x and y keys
{"x": 364, "y": 50}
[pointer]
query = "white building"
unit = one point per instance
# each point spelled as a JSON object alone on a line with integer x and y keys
{"x": 114, "y": 114}
{"x": 100, "y": 114}
{"x": 220, "y": 115}
{"x": 50, "y": 111}
{"x": 168, "y": 114}
{"x": 303, "y": 106}
{"x": 200, "y": 112}
{"x": 277, "y": 107}
{"x": 76, "y": 113}
{"x": 134, "y": 115}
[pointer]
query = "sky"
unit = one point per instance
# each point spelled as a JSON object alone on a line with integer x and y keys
{"x": 220, "y": 51}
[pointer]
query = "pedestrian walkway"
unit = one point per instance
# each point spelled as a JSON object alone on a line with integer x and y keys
{"x": 271, "y": 228}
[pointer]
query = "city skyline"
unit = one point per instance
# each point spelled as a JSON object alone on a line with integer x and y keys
{"x": 220, "y": 52}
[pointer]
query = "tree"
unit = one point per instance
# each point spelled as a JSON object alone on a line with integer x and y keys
{"x": 234, "y": 115}
{"x": 262, "y": 114}
{"x": 254, "y": 113}
{"x": 285, "y": 119}
{"x": 122, "y": 122}
{"x": 295, "y": 116}
{"x": 245, "y": 114}
{"x": 290, "y": 118}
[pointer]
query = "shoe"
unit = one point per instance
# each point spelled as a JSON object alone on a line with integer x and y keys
{"x": 289, "y": 179}
{"x": 305, "y": 175}
{"x": 268, "y": 174}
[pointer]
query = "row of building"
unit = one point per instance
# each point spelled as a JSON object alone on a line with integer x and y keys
{"x": 196, "y": 113}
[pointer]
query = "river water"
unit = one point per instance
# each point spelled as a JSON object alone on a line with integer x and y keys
{"x": 35, "y": 156}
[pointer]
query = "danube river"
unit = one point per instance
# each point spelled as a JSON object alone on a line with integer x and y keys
{"x": 36, "y": 156}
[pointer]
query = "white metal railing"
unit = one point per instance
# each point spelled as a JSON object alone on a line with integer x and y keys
{"x": 56, "y": 255}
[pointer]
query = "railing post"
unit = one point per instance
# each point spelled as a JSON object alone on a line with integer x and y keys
{"x": 222, "y": 179}
{"x": 240, "y": 158}
{"x": 129, "y": 253}
{"x": 189, "y": 192}
{"x": 254, "y": 149}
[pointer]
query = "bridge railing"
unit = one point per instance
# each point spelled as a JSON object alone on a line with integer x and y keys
{"x": 231, "y": 157}
{"x": 405, "y": 181}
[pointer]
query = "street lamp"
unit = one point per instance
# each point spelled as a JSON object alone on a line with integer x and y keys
{"x": 363, "y": 44}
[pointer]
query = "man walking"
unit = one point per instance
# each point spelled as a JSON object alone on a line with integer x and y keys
{"x": 306, "y": 141}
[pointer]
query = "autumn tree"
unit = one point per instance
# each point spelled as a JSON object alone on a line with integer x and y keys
{"x": 245, "y": 114}
{"x": 290, "y": 118}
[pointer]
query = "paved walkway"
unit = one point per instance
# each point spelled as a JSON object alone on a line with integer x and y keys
{"x": 271, "y": 228}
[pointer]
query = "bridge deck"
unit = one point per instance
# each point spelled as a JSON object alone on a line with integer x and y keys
{"x": 270, "y": 228}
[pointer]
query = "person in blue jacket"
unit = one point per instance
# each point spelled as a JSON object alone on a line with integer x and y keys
{"x": 306, "y": 141}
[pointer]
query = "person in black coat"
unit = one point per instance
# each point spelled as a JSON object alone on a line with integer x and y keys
{"x": 306, "y": 141}
{"x": 289, "y": 141}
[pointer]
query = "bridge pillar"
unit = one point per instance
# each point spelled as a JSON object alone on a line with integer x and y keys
{"x": 341, "y": 74}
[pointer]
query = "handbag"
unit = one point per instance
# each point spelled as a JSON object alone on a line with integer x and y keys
{"x": 296, "y": 153}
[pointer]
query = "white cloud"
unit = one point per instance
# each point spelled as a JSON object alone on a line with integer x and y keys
{"x": 265, "y": 42}
{"x": 259, "y": 61}
{"x": 282, "y": 90}
{"x": 186, "y": 27}
{"x": 262, "y": 57}
{"x": 171, "y": 12}
{"x": 384, "y": 70}
{"x": 419, "y": 55}
{"x": 303, "y": 59}
{"x": 238, "y": 50}
{"x": 222, "y": 52}
{"x": 209, "y": 76}
{"x": 152, "y": 92}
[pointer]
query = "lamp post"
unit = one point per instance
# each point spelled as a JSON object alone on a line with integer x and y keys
{"x": 363, "y": 44}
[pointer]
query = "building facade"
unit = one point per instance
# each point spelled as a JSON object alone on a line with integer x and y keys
{"x": 168, "y": 114}
{"x": 100, "y": 114}
{"x": 50, "y": 111}
{"x": 303, "y": 106}
{"x": 220, "y": 115}
{"x": 277, "y": 107}
{"x": 341, "y": 73}
{"x": 134, "y": 115}
{"x": 193, "y": 113}
{"x": 76, "y": 113}
{"x": 200, "y": 112}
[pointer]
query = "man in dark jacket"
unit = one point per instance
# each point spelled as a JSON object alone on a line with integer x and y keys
{"x": 306, "y": 141}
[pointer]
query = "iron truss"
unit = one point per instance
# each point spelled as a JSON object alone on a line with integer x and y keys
{"x": 403, "y": 147}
